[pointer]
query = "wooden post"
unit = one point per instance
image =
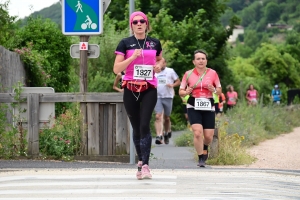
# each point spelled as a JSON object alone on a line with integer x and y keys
{"x": 122, "y": 130}
{"x": 33, "y": 124}
{"x": 83, "y": 89}
{"x": 93, "y": 128}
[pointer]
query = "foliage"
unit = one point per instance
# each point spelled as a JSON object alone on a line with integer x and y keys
{"x": 49, "y": 41}
{"x": 34, "y": 65}
{"x": 101, "y": 82}
{"x": 270, "y": 64}
{"x": 186, "y": 139}
{"x": 7, "y": 24}
{"x": 258, "y": 123}
{"x": 181, "y": 39}
{"x": 12, "y": 137}
{"x": 50, "y": 47}
{"x": 62, "y": 140}
{"x": 272, "y": 12}
{"x": 238, "y": 5}
{"x": 116, "y": 9}
{"x": 276, "y": 66}
{"x": 231, "y": 151}
{"x": 245, "y": 126}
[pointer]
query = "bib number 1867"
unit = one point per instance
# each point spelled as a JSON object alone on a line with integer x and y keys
{"x": 202, "y": 104}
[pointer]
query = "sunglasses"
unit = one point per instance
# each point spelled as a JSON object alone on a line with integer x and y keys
{"x": 135, "y": 22}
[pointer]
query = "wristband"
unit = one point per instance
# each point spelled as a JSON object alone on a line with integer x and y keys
{"x": 215, "y": 91}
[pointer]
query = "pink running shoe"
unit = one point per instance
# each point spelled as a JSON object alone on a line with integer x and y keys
{"x": 146, "y": 172}
{"x": 139, "y": 172}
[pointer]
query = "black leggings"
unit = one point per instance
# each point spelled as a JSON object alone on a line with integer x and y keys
{"x": 140, "y": 112}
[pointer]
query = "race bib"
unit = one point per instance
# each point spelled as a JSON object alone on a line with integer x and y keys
{"x": 162, "y": 81}
{"x": 232, "y": 99}
{"x": 202, "y": 104}
{"x": 143, "y": 72}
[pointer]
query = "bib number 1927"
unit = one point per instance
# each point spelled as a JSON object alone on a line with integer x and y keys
{"x": 143, "y": 72}
{"x": 202, "y": 104}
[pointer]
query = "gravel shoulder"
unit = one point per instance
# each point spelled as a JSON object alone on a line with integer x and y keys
{"x": 281, "y": 152}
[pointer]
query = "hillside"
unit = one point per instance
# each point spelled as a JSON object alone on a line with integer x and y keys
{"x": 254, "y": 14}
{"x": 52, "y": 12}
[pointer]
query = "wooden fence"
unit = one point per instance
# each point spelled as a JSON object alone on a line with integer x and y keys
{"x": 107, "y": 137}
{"x": 11, "y": 71}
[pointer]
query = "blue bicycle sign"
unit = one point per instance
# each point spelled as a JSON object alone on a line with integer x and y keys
{"x": 82, "y": 17}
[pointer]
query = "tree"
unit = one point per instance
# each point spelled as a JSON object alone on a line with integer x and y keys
{"x": 248, "y": 16}
{"x": 279, "y": 67}
{"x": 7, "y": 24}
{"x": 200, "y": 30}
{"x": 272, "y": 12}
{"x": 237, "y": 5}
{"x": 49, "y": 41}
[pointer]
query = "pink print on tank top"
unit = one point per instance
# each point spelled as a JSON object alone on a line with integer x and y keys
{"x": 148, "y": 45}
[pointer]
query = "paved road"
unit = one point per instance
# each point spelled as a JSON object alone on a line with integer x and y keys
{"x": 163, "y": 157}
{"x": 175, "y": 176}
{"x": 166, "y": 184}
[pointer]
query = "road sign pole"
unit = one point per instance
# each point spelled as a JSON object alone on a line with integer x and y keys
{"x": 83, "y": 89}
{"x": 131, "y": 150}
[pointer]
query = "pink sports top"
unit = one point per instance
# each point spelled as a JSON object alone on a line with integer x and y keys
{"x": 210, "y": 78}
{"x": 232, "y": 96}
{"x": 151, "y": 49}
{"x": 251, "y": 94}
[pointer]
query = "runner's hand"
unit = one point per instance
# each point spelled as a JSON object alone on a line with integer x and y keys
{"x": 188, "y": 90}
{"x": 157, "y": 68}
{"x": 211, "y": 88}
{"x": 136, "y": 53}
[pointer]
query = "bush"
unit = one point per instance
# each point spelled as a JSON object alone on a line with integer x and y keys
{"x": 231, "y": 151}
{"x": 12, "y": 137}
{"x": 63, "y": 139}
{"x": 185, "y": 140}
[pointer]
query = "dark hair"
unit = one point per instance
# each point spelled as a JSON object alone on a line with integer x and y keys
{"x": 250, "y": 85}
{"x": 200, "y": 51}
{"x": 229, "y": 87}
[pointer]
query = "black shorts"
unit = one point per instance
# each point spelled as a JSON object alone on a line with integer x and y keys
{"x": 217, "y": 109}
{"x": 205, "y": 118}
{"x": 184, "y": 108}
{"x": 230, "y": 106}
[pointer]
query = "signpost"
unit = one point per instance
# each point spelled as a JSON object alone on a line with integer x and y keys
{"x": 82, "y": 17}
{"x": 93, "y": 51}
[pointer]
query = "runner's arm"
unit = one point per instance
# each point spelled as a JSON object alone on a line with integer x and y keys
{"x": 176, "y": 83}
{"x": 116, "y": 83}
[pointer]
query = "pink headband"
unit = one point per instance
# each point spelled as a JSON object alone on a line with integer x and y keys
{"x": 138, "y": 13}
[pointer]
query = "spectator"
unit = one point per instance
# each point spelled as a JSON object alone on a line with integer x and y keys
{"x": 231, "y": 96}
{"x": 222, "y": 101}
{"x": 276, "y": 95}
{"x": 252, "y": 95}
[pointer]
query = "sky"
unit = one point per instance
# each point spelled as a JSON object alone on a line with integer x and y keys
{"x": 21, "y": 8}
